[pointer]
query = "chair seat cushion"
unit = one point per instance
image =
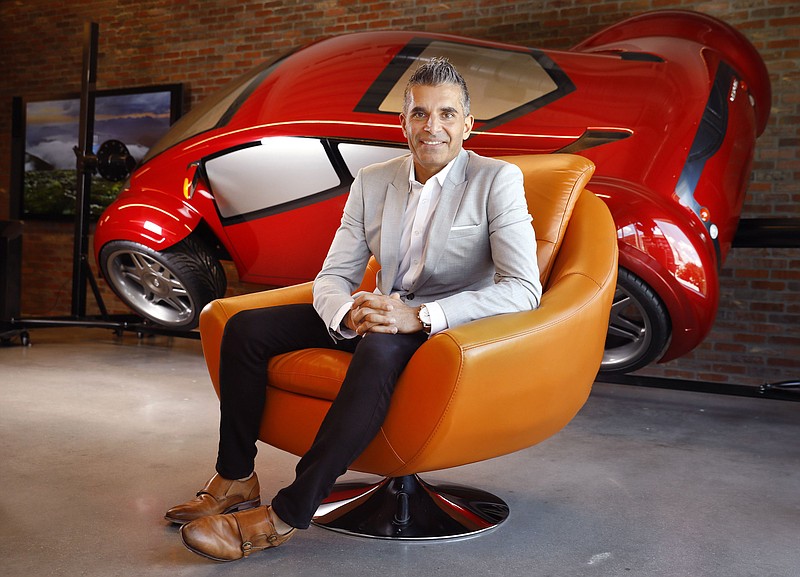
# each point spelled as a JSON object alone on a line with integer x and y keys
{"x": 314, "y": 373}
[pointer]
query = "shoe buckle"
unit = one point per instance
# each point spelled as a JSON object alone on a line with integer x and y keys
{"x": 247, "y": 547}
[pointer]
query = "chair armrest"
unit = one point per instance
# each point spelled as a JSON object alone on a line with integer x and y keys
{"x": 216, "y": 313}
{"x": 500, "y": 384}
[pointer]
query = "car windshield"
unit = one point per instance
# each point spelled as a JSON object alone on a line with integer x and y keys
{"x": 522, "y": 76}
{"x": 529, "y": 79}
{"x": 214, "y": 111}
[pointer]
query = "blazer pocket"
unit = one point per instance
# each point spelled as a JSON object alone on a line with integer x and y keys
{"x": 465, "y": 230}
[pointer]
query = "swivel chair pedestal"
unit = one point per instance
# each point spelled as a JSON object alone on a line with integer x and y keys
{"x": 409, "y": 508}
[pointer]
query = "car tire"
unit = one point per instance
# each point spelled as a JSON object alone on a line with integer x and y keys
{"x": 639, "y": 328}
{"x": 168, "y": 287}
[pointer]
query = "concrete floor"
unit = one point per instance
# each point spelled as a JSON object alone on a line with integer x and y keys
{"x": 100, "y": 434}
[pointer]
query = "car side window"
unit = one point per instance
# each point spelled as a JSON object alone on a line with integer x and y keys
{"x": 265, "y": 176}
{"x": 357, "y": 156}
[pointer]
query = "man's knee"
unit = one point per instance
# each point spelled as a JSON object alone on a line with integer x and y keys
{"x": 242, "y": 326}
{"x": 385, "y": 349}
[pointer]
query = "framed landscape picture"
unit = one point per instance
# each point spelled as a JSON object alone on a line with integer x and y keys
{"x": 137, "y": 117}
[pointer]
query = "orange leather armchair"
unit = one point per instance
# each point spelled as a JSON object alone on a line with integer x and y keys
{"x": 473, "y": 392}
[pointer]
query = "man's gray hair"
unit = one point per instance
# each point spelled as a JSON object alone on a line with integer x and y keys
{"x": 435, "y": 72}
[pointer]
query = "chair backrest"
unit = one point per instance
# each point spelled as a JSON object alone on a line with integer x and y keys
{"x": 553, "y": 183}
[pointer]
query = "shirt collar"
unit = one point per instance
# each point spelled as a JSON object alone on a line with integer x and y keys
{"x": 440, "y": 176}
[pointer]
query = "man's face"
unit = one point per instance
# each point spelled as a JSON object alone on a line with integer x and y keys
{"x": 435, "y": 126}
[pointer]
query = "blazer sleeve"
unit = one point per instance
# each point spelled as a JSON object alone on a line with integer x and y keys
{"x": 348, "y": 255}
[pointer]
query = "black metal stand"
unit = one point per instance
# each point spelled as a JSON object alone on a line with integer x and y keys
{"x": 86, "y": 166}
{"x": 782, "y": 391}
{"x": 767, "y": 233}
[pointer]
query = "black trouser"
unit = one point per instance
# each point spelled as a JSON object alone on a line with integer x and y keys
{"x": 250, "y": 339}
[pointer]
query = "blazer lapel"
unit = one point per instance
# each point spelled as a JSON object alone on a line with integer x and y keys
{"x": 449, "y": 201}
{"x": 391, "y": 221}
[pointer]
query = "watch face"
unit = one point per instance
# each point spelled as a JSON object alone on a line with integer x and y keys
{"x": 424, "y": 315}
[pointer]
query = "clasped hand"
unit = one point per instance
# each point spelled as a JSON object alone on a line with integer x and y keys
{"x": 376, "y": 313}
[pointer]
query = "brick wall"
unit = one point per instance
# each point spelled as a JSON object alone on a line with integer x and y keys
{"x": 204, "y": 43}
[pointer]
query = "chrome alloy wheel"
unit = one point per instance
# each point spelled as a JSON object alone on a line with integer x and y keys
{"x": 170, "y": 287}
{"x": 150, "y": 288}
{"x": 638, "y": 329}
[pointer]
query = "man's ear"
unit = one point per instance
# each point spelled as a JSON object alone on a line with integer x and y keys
{"x": 403, "y": 124}
{"x": 469, "y": 122}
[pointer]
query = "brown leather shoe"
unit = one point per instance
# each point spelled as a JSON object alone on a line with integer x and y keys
{"x": 219, "y": 496}
{"x": 231, "y": 537}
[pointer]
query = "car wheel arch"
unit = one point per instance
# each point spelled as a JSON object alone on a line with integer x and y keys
{"x": 686, "y": 330}
{"x": 690, "y": 312}
{"x": 157, "y": 225}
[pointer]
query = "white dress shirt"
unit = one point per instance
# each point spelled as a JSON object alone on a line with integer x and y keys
{"x": 417, "y": 218}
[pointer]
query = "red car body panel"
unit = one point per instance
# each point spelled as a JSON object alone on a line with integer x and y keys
{"x": 667, "y": 105}
{"x": 158, "y": 222}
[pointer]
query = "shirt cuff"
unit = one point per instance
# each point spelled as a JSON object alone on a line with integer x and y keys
{"x": 336, "y": 328}
{"x": 438, "y": 320}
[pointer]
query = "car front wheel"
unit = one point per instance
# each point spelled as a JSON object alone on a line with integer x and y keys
{"x": 639, "y": 329}
{"x": 168, "y": 287}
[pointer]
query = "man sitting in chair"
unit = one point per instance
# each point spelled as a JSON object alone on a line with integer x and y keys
{"x": 452, "y": 233}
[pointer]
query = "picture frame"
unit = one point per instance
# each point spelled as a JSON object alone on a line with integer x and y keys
{"x": 47, "y": 181}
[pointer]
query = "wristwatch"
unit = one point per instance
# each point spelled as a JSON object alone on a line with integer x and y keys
{"x": 424, "y": 316}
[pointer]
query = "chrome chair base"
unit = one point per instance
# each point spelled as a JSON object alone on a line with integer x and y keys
{"x": 408, "y": 508}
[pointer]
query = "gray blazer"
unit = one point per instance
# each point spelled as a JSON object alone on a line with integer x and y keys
{"x": 480, "y": 258}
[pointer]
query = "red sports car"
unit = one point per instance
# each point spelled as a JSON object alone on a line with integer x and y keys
{"x": 668, "y": 105}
